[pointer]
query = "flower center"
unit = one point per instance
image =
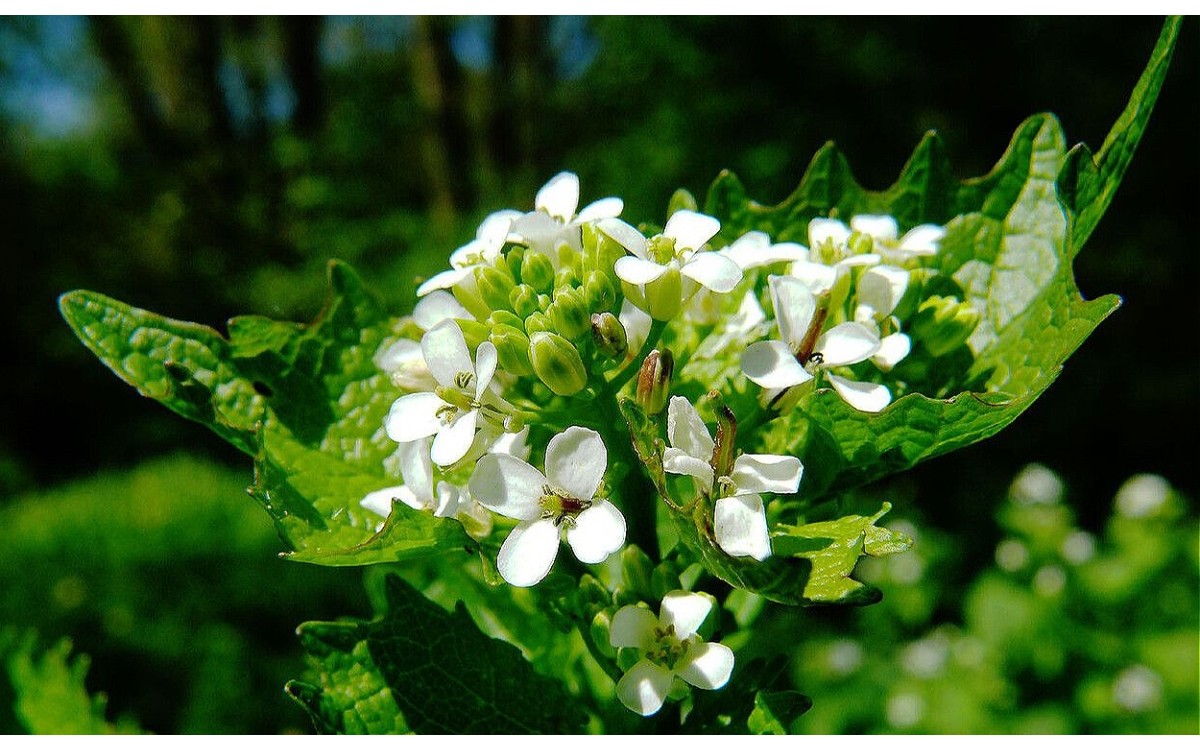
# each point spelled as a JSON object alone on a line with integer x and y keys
{"x": 561, "y": 506}
{"x": 668, "y": 647}
{"x": 661, "y": 249}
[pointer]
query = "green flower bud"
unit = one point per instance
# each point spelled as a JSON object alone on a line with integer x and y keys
{"x": 654, "y": 381}
{"x": 609, "y": 335}
{"x": 664, "y": 579}
{"x": 543, "y": 302}
{"x": 537, "y": 271}
{"x": 523, "y": 300}
{"x": 494, "y": 286}
{"x": 557, "y": 363}
{"x": 942, "y": 324}
{"x": 724, "y": 449}
{"x": 636, "y": 568}
{"x": 569, "y": 313}
{"x": 467, "y": 294}
{"x": 681, "y": 200}
{"x": 504, "y": 317}
{"x": 599, "y": 291}
{"x": 600, "y": 252}
{"x": 513, "y": 261}
{"x": 474, "y": 332}
{"x": 861, "y": 243}
{"x": 512, "y": 349}
{"x": 536, "y": 322}
{"x": 600, "y": 633}
{"x": 565, "y": 277}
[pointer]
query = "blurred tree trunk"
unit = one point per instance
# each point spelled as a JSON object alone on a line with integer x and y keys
{"x": 431, "y": 60}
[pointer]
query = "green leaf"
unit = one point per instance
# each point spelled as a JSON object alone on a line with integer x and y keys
{"x": 834, "y": 548}
{"x": 440, "y": 672}
{"x": 307, "y": 402}
{"x": 774, "y": 711}
{"x": 50, "y": 696}
{"x": 756, "y": 699}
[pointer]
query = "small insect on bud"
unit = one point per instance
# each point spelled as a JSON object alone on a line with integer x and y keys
{"x": 557, "y": 363}
{"x": 609, "y": 335}
{"x": 654, "y": 381}
{"x": 725, "y": 448}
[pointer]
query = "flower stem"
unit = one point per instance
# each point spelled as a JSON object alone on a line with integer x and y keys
{"x": 656, "y": 331}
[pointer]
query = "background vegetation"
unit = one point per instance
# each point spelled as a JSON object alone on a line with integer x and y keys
{"x": 209, "y": 167}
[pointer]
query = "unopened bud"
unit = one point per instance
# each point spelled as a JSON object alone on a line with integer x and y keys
{"x": 569, "y": 313}
{"x": 942, "y": 324}
{"x": 523, "y": 300}
{"x": 601, "y": 633}
{"x": 861, "y": 243}
{"x": 514, "y": 259}
{"x": 609, "y": 335}
{"x": 724, "y": 449}
{"x": 537, "y": 271}
{"x": 512, "y": 349}
{"x": 494, "y": 286}
{"x": 565, "y": 277}
{"x": 599, "y": 292}
{"x": 557, "y": 363}
{"x": 654, "y": 381}
{"x": 504, "y": 317}
{"x": 636, "y": 568}
{"x": 537, "y": 322}
{"x": 681, "y": 200}
{"x": 474, "y": 332}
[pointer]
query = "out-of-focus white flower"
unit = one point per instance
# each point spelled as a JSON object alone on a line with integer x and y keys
{"x": 919, "y": 242}
{"x": 479, "y": 252}
{"x": 554, "y": 221}
{"x": 402, "y": 359}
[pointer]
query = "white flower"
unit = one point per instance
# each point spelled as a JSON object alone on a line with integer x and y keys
{"x": 554, "y": 220}
{"x": 418, "y": 492}
{"x": 751, "y": 250}
{"x": 878, "y": 291}
{"x": 546, "y": 505}
{"x": 479, "y": 252}
{"x": 661, "y": 274}
{"x": 670, "y": 648}
{"x": 739, "y": 520}
{"x": 402, "y": 359}
{"x": 918, "y": 242}
{"x": 453, "y": 411}
{"x": 787, "y": 362}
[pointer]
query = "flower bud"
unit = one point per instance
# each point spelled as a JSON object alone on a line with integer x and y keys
{"x": 599, "y": 291}
{"x": 861, "y": 243}
{"x": 504, "y": 317}
{"x": 566, "y": 277}
{"x": 523, "y": 300}
{"x": 600, "y": 252}
{"x": 654, "y": 381}
{"x": 543, "y": 301}
{"x": 514, "y": 259}
{"x": 536, "y": 322}
{"x": 681, "y": 200}
{"x": 942, "y": 324}
{"x": 569, "y": 313}
{"x": 494, "y": 286}
{"x": 609, "y": 335}
{"x": 512, "y": 349}
{"x": 725, "y": 448}
{"x": 474, "y": 332}
{"x": 636, "y": 567}
{"x": 537, "y": 271}
{"x": 557, "y": 363}
{"x": 601, "y": 633}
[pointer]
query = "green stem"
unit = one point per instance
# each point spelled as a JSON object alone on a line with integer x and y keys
{"x": 656, "y": 331}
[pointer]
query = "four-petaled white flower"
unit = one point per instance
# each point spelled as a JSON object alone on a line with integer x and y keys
{"x": 751, "y": 250}
{"x": 878, "y": 292}
{"x": 919, "y": 242}
{"x": 453, "y": 412}
{"x": 479, "y": 252}
{"x": 547, "y": 505}
{"x": 663, "y": 273}
{"x": 418, "y": 492}
{"x": 670, "y": 647}
{"x": 803, "y": 348}
{"x": 402, "y": 359}
{"x": 739, "y": 519}
{"x": 554, "y": 220}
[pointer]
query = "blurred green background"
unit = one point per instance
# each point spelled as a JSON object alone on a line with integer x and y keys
{"x": 209, "y": 167}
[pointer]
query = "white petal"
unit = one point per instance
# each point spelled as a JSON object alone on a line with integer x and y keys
{"x": 755, "y": 254}
{"x": 820, "y": 230}
{"x": 448, "y": 501}
{"x": 794, "y": 307}
{"x": 685, "y": 610}
{"x": 494, "y": 229}
{"x": 444, "y": 280}
{"x": 560, "y": 196}
{"x": 453, "y": 441}
{"x": 636, "y": 270}
{"x": 762, "y": 472}
{"x": 686, "y": 430}
{"x": 514, "y": 444}
{"x": 485, "y": 367}
{"x": 413, "y": 417}
{"x": 892, "y": 349}
{"x": 690, "y": 229}
{"x": 633, "y": 627}
{"x": 636, "y": 322}
{"x": 380, "y": 501}
{"x": 417, "y": 469}
{"x": 923, "y": 240}
{"x": 605, "y": 208}
{"x": 598, "y": 532}
{"x": 446, "y": 352}
{"x": 870, "y": 397}
{"x": 624, "y": 235}
{"x": 879, "y": 227}
{"x": 818, "y": 277}
{"x": 575, "y": 461}
{"x": 679, "y": 462}
{"x": 881, "y": 288}
{"x": 528, "y": 552}
{"x": 847, "y": 343}
{"x": 740, "y": 527}
{"x": 399, "y": 355}
{"x": 439, "y": 306}
{"x": 864, "y": 260}
{"x": 643, "y": 689}
{"x": 508, "y": 486}
{"x": 712, "y": 271}
{"x": 771, "y": 364}
{"x": 539, "y": 230}
{"x": 706, "y": 665}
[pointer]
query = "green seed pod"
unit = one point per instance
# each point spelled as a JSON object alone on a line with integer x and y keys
{"x": 599, "y": 291}
{"x": 569, "y": 313}
{"x": 512, "y": 349}
{"x": 942, "y": 324}
{"x": 537, "y": 271}
{"x": 536, "y": 322}
{"x": 494, "y": 286}
{"x": 523, "y": 300}
{"x": 654, "y": 381}
{"x": 474, "y": 332}
{"x": 557, "y": 363}
{"x": 609, "y": 335}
